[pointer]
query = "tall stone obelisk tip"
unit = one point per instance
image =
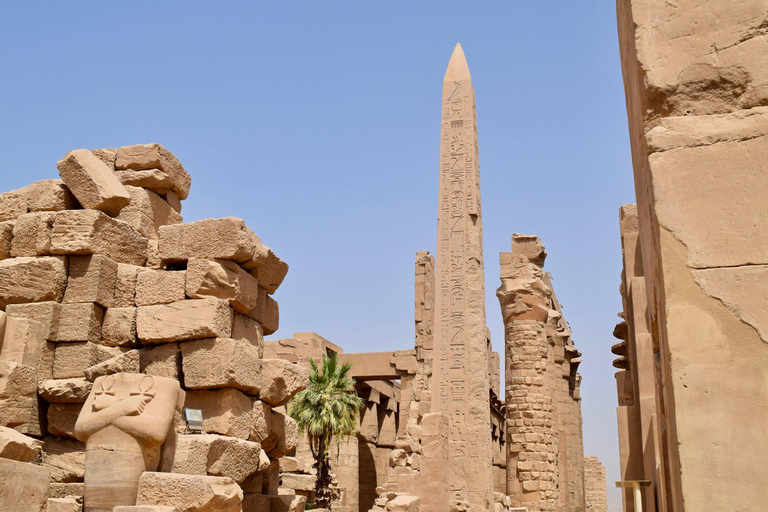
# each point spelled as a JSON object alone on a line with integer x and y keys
{"x": 457, "y": 66}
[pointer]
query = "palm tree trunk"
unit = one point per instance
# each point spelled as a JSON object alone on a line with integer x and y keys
{"x": 323, "y": 492}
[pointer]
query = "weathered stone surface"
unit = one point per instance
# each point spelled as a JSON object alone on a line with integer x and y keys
{"x": 62, "y": 419}
{"x": 127, "y": 363}
{"x": 184, "y": 320}
{"x": 23, "y": 341}
{"x": 159, "y": 287}
{"x": 222, "y": 279}
{"x": 93, "y": 183}
{"x": 93, "y": 232}
{"x": 217, "y": 456}
{"x": 70, "y": 504}
{"x": 18, "y": 401}
{"x": 221, "y": 363}
{"x": 25, "y": 486}
{"x": 153, "y": 179}
{"x": 64, "y": 489}
{"x": 17, "y": 446}
{"x": 50, "y": 196}
{"x": 190, "y": 493}
{"x": 65, "y": 391}
{"x": 13, "y": 204}
{"x": 144, "y": 508}
{"x": 106, "y": 155}
{"x": 46, "y": 313}
{"x": 225, "y": 411}
{"x": 284, "y": 430}
{"x": 65, "y": 458}
{"x": 173, "y": 200}
{"x": 280, "y": 380}
{"x": 125, "y": 285}
{"x": 79, "y": 322}
{"x": 403, "y": 503}
{"x": 119, "y": 327}
{"x": 298, "y": 482}
{"x": 32, "y": 280}
{"x": 155, "y": 156}
{"x": 247, "y": 329}
{"x": 32, "y": 234}
{"x": 266, "y": 312}
{"x": 71, "y": 359}
{"x": 6, "y": 239}
{"x": 91, "y": 279}
{"x": 161, "y": 360}
{"x": 147, "y": 212}
{"x": 287, "y": 503}
{"x": 255, "y": 501}
{"x": 271, "y": 273}
{"x": 261, "y": 425}
{"x": 290, "y": 465}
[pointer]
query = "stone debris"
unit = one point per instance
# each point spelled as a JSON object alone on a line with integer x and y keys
{"x": 17, "y": 446}
{"x": 93, "y": 183}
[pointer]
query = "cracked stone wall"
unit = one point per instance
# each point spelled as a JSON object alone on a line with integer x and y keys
{"x": 697, "y": 89}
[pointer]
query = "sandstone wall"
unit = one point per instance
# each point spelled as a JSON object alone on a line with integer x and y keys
{"x": 595, "y": 492}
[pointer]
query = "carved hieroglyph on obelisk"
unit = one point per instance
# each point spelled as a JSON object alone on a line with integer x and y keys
{"x": 460, "y": 381}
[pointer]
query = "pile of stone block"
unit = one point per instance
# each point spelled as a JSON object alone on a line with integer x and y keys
{"x": 99, "y": 275}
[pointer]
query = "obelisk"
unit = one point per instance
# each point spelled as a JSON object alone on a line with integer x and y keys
{"x": 460, "y": 381}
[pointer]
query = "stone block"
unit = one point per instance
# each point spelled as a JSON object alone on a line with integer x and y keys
{"x": 145, "y": 508}
{"x": 93, "y": 184}
{"x": 93, "y": 232}
{"x": 285, "y": 432}
{"x": 32, "y": 234}
{"x": 221, "y": 363}
{"x": 216, "y": 455}
{"x": 46, "y": 313}
{"x": 147, "y": 212}
{"x": 71, "y": 359}
{"x": 271, "y": 272}
{"x": 119, "y": 327}
{"x": 25, "y": 486}
{"x": 255, "y": 502}
{"x": 247, "y": 329}
{"x": 62, "y": 419}
{"x": 123, "y": 363}
{"x": 173, "y": 200}
{"x": 287, "y": 503}
{"x": 153, "y": 179}
{"x": 159, "y": 287}
{"x": 13, "y": 204}
{"x": 70, "y": 504}
{"x": 50, "y": 196}
{"x": 154, "y": 156}
{"x": 184, "y": 320}
{"x": 190, "y": 493}
{"x": 266, "y": 312}
{"x": 225, "y": 411}
{"x": 16, "y": 446}
{"x": 91, "y": 279}
{"x": 64, "y": 391}
{"x": 290, "y": 465}
{"x": 30, "y": 279}
{"x": 222, "y": 279}
{"x": 161, "y": 360}
{"x": 6, "y": 239}
{"x": 79, "y": 322}
{"x": 107, "y": 156}
{"x": 65, "y": 458}
{"x": 403, "y": 503}
{"x": 62, "y": 489}
{"x": 23, "y": 341}
{"x": 280, "y": 380}
{"x": 18, "y": 401}
{"x": 260, "y": 426}
{"x": 271, "y": 479}
{"x": 298, "y": 482}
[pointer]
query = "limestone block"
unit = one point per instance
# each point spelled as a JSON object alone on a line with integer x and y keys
{"x": 271, "y": 273}
{"x": 190, "y": 493}
{"x": 62, "y": 489}
{"x": 119, "y": 327}
{"x": 32, "y": 234}
{"x": 50, "y": 196}
{"x": 159, "y": 287}
{"x": 403, "y": 503}
{"x": 287, "y": 503}
{"x": 91, "y": 279}
{"x": 284, "y": 430}
{"x": 64, "y": 391}
{"x": 93, "y": 232}
{"x": 217, "y": 456}
{"x": 266, "y": 312}
{"x": 23, "y": 341}
{"x": 153, "y": 179}
{"x": 184, "y": 320}
{"x": 290, "y": 465}
{"x": 93, "y": 183}
{"x": 13, "y": 204}
{"x": 17, "y": 400}
{"x": 45, "y": 370}
{"x": 255, "y": 502}
{"x": 62, "y": 419}
{"x": 32, "y": 280}
{"x": 79, "y": 321}
{"x": 123, "y": 363}
{"x": 16, "y": 446}
{"x": 65, "y": 458}
{"x": 228, "y": 238}
{"x": 71, "y": 359}
{"x": 6, "y": 239}
{"x": 298, "y": 482}
{"x": 153, "y": 256}
{"x": 25, "y": 486}
{"x": 261, "y": 425}
{"x": 147, "y": 212}
{"x": 154, "y": 156}
{"x": 225, "y": 411}
{"x": 271, "y": 479}
{"x": 45, "y": 313}
{"x": 69, "y": 504}
{"x": 125, "y": 285}
{"x": 280, "y": 380}
{"x": 247, "y": 329}
{"x": 221, "y": 363}
{"x": 107, "y": 156}
{"x": 161, "y": 360}
{"x": 222, "y": 279}
{"x": 173, "y": 200}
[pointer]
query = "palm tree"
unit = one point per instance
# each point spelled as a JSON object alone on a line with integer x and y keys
{"x": 329, "y": 409}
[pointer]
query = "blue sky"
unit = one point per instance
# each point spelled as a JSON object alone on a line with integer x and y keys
{"x": 318, "y": 123}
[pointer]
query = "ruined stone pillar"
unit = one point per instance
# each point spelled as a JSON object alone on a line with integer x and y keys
{"x": 460, "y": 385}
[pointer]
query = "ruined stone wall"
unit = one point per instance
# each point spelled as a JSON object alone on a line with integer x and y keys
{"x": 98, "y": 276}
{"x": 696, "y": 86}
{"x": 595, "y": 491}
